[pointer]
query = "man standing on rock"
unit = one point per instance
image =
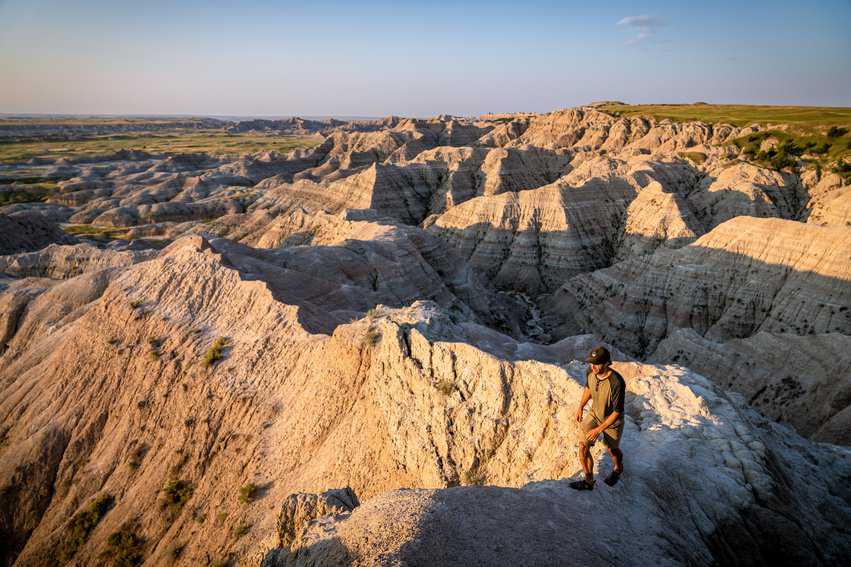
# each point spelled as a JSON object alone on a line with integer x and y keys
{"x": 605, "y": 388}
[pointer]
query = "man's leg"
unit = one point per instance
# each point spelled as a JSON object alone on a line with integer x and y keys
{"x": 586, "y": 461}
{"x": 612, "y": 443}
{"x": 617, "y": 459}
{"x": 585, "y": 458}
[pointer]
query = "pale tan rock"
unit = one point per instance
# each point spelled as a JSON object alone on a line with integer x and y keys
{"x": 535, "y": 239}
{"x": 591, "y": 129}
{"x": 799, "y": 380}
{"x": 745, "y": 276}
{"x": 657, "y": 218}
{"x": 691, "y": 449}
{"x": 361, "y": 385}
{"x": 830, "y": 202}
{"x": 471, "y": 172}
{"x": 66, "y": 261}
{"x": 747, "y": 190}
{"x": 300, "y": 509}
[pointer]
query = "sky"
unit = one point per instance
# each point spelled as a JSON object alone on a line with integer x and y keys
{"x": 374, "y": 58}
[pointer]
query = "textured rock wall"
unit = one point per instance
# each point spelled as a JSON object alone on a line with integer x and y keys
{"x": 745, "y": 276}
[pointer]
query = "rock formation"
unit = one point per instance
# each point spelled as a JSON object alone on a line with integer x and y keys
{"x": 27, "y": 231}
{"x": 695, "y": 454}
{"x": 400, "y": 310}
{"x": 791, "y": 378}
{"x": 745, "y": 276}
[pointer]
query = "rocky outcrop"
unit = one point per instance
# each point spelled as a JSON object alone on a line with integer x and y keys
{"x": 795, "y": 379}
{"x": 28, "y": 231}
{"x": 294, "y": 126}
{"x": 61, "y": 262}
{"x": 300, "y": 509}
{"x": 323, "y": 399}
{"x": 471, "y": 172}
{"x": 746, "y": 479}
{"x": 745, "y": 276}
{"x": 747, "y": 190}
{"x": 535, "y": 239}
{"x": 600, "y": 211}
{"x": 591, "y": 129}
{"x": 830, "y": 200}
{"x": 657, "y": 218}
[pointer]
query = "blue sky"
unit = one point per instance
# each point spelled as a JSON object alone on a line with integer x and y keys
{"x": 415, "y": 58}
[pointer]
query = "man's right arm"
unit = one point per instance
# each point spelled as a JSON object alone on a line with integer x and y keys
{"x": 586, "y": 395}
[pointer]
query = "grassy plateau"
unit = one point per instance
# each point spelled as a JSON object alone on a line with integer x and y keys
{"x": 179, "y": 142}
{"x": 738, "y": 114}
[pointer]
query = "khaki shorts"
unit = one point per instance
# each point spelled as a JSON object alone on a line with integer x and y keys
{"x": 611, "y": 436}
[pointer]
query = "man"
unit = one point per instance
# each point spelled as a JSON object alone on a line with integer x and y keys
{"x": 605, "y": 388}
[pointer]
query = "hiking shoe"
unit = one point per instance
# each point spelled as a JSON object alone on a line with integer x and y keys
{"x": 613, "y": 478}
{"x": 582, "y": 485}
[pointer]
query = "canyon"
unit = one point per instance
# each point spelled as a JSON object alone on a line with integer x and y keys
{"x": 369, "y": 350}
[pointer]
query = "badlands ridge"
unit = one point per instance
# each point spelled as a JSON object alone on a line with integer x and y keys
{"x": 367, "y": 352}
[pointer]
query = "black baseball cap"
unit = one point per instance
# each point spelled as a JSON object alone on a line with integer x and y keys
{"x": 599, "y": 356}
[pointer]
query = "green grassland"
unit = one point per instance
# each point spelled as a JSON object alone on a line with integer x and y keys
{"x": 738, "y": 114}
{"x": 106, "y": 232}
{"x": 181, "y": 142}
{"x": 30, "y": 190}
{"x": 97, "y": 121}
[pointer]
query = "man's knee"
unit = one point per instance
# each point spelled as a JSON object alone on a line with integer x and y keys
{"x": 616, "y": 452}
{"x": 583, "y": 447}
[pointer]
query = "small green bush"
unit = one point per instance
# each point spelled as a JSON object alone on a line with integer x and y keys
{"x": 240, "y": 530}
{"x": 372, "y": 337}
{"x": 844, "y": 170}
{"x": 781, "y": 160}
{"x": 836, "y": 132}
{"x": 751, "y": 150}
{"x": 821, "y": 149}
{"x": 696, "y": 157}
{"x": 125, "y": 548}
{"x": 176, "y": 551}
{"x": 216, "y": 352}
{"x": 474, "y": 476}
{"x": 248, "y": 493}
{"x": 82, "y": 525}
{"x": 137, "y": 456}
{"x": 446, "y": 387}
{"x": 175, "y": 494}
{"x": 137, "y": 303}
